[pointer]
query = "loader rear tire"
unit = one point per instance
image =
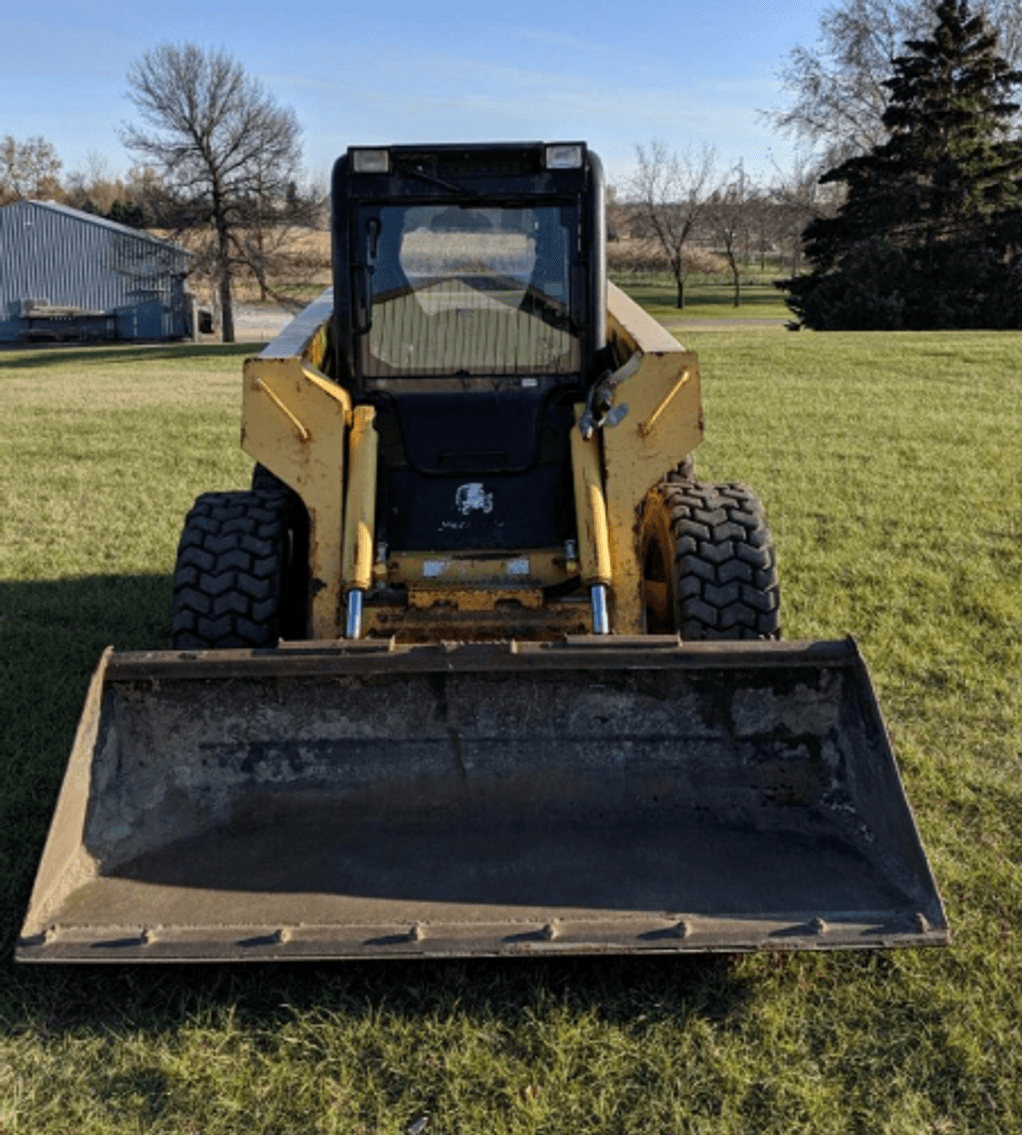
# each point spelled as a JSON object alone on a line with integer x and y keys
{"x": 264, "y": 481}
{"x": 725, "y": 568}
{"x": 684, "y": 471}
{"x": 240, "y": 578}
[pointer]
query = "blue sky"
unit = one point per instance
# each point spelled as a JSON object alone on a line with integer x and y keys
{"x": 612, "y": 74}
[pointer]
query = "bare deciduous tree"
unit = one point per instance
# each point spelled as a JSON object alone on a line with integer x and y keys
{"x": 220, "y": 145}
{"x": 799, "y": 198}
{"x": 266, "y": 242}
{"x": 670, "y": 192}
{"x": 836, "y": 87}
{"x": 729, "y": 216}
{"x": 94, "y": 189}
{"x": 28, "y": 169}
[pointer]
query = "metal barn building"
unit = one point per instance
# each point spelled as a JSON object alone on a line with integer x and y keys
{"x": 67, "y": 274}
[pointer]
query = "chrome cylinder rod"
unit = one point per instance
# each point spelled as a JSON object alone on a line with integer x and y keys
{"x": 598, "y": 604}
{"x": 353, "y": 628}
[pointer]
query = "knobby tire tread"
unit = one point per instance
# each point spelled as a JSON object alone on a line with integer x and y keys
{"x": 725, "y": 566}
{"x": 230, "y": 579}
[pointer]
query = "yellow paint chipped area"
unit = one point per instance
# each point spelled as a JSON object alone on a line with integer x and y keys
{"x": 543, "y": 567}
{"x": 480, "y": 598}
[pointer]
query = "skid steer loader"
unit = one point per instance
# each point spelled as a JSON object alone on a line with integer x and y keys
{"x": 477, "y": 666}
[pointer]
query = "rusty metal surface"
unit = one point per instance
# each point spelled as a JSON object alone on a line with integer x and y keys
{"x": 451, "y": 623}
{"x": 371, "y": 799}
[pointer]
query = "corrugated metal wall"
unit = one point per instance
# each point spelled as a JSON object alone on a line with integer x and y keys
{"x": 51, "y": 252}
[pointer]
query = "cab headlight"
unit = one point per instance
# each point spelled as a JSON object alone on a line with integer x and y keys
{"x": 564, "y": 156}
{"x": 370, "y": 161}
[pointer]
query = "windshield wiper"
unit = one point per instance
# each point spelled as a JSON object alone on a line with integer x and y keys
{"x": 414, "y": 171}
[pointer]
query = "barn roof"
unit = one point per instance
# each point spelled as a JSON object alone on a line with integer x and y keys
{"x": 92, "y": 219}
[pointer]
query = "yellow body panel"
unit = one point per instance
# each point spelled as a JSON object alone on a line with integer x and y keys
{"x": 463, "y": 614}
{"x": 478, "y": 595}
{"x": 293, "y": 421}
{"x": 662, "y": 426}
{"x": 482, "y": 597}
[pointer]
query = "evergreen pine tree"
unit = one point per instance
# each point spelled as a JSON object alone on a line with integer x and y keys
{"x": 929, "y": 232}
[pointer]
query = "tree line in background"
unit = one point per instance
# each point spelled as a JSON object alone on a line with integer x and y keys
{"x": 32, "y": 170}
{"x": 905, "y": 201}
{"x": 927, "y": 155}
{"x": 683, "y": 212}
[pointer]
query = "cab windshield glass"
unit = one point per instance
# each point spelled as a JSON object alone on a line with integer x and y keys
{"x": 469, "y": 290}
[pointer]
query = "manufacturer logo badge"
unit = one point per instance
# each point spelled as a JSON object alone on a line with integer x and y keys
{"x": 472, "y": 498}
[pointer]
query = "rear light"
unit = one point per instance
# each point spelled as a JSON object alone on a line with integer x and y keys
{"x": 370, "y": 161}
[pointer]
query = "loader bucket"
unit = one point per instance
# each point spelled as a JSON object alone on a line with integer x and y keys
{"x": 623, "y": 795}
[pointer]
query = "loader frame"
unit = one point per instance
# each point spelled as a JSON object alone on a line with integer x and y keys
{"x": 302, "y": 426}
{"x": 309, "y": 418}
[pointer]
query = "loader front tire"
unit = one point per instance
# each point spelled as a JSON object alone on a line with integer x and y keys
{"x": 725, "y": 568}
{"x": 240, "y": 578}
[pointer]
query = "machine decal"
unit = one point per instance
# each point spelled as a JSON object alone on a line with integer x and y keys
{"x": 472, "y": 498}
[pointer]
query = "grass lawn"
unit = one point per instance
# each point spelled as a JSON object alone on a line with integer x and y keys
{"x": 706, "y": 297}
{"x": 890, "y": 468}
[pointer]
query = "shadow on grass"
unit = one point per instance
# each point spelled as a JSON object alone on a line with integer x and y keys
{"x": 51, "y": 636}
{"x": 725, "y": 297}
{"x": 121, "y": 1000}
{"x": 50, "y": 357}
{"x": 52, "y": 633}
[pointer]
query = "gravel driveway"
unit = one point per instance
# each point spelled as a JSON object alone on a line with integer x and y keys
{"x": 259, "y": 323}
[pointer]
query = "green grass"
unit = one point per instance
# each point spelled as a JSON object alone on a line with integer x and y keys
{"x": 889, "y": 466}
{"x": 706, "y": 297}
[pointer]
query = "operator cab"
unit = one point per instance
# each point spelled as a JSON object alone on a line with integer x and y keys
{"x": 469, "y": 289}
